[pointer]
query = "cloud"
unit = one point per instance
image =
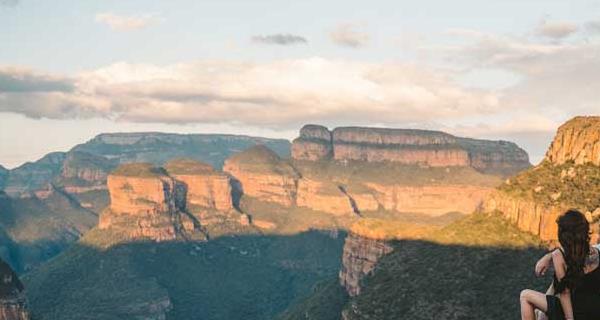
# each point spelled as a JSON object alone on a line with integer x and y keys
{"x": 25, "y": 80}
{"x": 556, "y": 30}
{"x": 349, "y": 35}
{"x": 280, "y": 39}
{"x": 593, "y": 26}
{"x": 9, "y": 3}
{"x": 280, "y": 94}
{"x": 127, "y": 23}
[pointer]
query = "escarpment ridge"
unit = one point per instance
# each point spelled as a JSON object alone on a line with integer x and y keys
{"x": 408, "y": 146}
{"x": 569, "y": 177}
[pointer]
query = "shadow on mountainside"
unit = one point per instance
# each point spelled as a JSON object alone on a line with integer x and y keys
{"x": 229, "y": 277}
{"x": 260, "y": 277}
{"x": 427, "y": 280}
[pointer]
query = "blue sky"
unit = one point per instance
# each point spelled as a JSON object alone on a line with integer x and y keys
{"x": 493, "y": 69}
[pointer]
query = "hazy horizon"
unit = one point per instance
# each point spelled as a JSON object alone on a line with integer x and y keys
{"x": 503, "y": 71}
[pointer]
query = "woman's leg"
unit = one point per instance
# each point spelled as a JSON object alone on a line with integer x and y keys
{"x": 531, "y": 300}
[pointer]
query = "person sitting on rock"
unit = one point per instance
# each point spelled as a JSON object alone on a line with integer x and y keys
{"x": 575, "y": 289}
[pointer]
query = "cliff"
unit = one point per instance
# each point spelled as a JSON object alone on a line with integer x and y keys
{"x": 359, "y": 258}
{"x": 13, "y": 303}
{"x": 407, "y": 146}
{"x": 82, "y": 172}
{"x": 145, "y": 203}
{"x": 368, "y": 241}
{"x": 262, "y": 174}
{"x": 578, "y": 140}
{"x": 205, "y": 186}
{"x": 569, "y": 177}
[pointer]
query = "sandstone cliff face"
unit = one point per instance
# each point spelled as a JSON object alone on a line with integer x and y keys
{"x": 577, "y": 140}
{"x": 534, "y": 199}
{"x": 13, "y": 303}
{"x": 144, "y": 203}
{"x": 205, "y": 186}
{"x": 260, "y": 173}
{"x": 526, "y": 214}
{"x": 82, "y": 169}
{"x": 359, "y": 258}
{"x": 420, "y": 147}
{"x": 432, "y": 200}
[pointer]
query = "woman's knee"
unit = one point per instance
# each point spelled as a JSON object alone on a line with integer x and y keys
{"x": 525, "y": 295}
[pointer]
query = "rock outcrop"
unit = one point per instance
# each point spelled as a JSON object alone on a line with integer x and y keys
{"x": 82, "y": 172}
{"x": 205, "y": 186}
{"x": 359, "y": 258}
{"x": 262, "y": 174}
{"x": 13, "y": 303}
{"x": 577, "y": 140}
{"x": 407, "y": 146}
{"x": 145, "y": 202}
{"x": 567, "y": 178}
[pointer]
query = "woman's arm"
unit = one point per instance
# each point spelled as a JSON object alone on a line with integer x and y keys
{"x": 543, "y": 264}
{"x": 565, "y": 295}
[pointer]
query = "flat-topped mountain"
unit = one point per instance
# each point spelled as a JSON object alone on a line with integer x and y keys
{"x": 408, "y": 146}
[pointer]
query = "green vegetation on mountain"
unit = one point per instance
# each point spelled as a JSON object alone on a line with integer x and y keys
{"x": 139, "y": 170}
{"x": 566, "y": 184}
{"x": 230, "y": 277}
{"x": 473, "y": 268}
{"x": 187, "y": 166}
{"x": 388, "y": 173}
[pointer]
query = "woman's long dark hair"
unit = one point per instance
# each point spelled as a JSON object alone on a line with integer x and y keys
{"x": 574, "y": 237}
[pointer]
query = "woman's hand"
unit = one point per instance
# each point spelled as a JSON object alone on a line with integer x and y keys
{"x": 543, "y": 264}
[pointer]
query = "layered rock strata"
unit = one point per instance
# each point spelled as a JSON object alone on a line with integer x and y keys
{"x": 13, "y": 303}
{"x": 262, "y": 174}
{"x": 359, "y": 259}
{"x": 535, "y": 208}
{"x": 404, "y": 146}
{"x": 205, "y": 186}
{"x": 145, "y": 203}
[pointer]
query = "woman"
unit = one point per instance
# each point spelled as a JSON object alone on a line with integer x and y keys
{"x": 575, "y": 290}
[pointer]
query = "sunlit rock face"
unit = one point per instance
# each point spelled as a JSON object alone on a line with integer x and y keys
{"x": 262, "y": 174}
{"x": 566, "y": 179}
{"x": 408, "y": 146}
{"x": 578, "y": 140}
{"x": 144, "y": 203}
{"x": 205, "y": 186}
{"x": 13, "y": 303}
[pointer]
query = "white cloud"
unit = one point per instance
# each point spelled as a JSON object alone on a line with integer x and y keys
{"x": 127, "y": 23}
{"x": 556, "y": 29}
{"x": 285, "y": 39}
{"x": 349, "y": 35}
{"x": 278, "y": 94}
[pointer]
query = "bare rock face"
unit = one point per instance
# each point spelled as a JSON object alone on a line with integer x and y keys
{"x": 321, "y": 196}
{"x": 434, "y": 200}
{"x": 313, "y": 144}
{"x": 82, "y": 169}
{"x": 359, "y": 259}
{"x": 262, "y": 174}
{"x": 404, "y": 146}
{"x": 205, "y": 186}
{"x": 13, "y": 303}
{"x": 527, "y": 215}
{"x": 144, "y": 203}
{"x": 577, "y": 140}
{"x": 531, "y": 201}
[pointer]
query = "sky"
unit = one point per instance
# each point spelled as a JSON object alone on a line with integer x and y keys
{"x": 511, "y": 70}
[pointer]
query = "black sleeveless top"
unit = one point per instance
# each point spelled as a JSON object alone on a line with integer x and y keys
{"x": 586, "y": 297}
